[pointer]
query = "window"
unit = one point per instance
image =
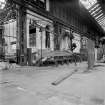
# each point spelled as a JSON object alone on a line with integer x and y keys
{"x": 47, "y": 5}
{"x": 84, "y": 42}
{"x": 32, "y": 34}
{"x": 42, "y": 3}
{"x": 39, "y": 3}
{"x": 32, "y": 37}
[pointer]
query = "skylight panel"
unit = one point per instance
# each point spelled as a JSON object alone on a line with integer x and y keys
{"x": 95, "y": 14}
{"x": 102, "y": 23}
{"x": 97, "y": 5}
{"x": 95, "y": 11}
{"x": 101, "y": 19}
{"x": 92, "y": 2}
{"x": 99, "y": 16}
{"x": 88, "y": 3}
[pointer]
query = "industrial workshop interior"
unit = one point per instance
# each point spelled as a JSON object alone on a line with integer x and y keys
{"x": 52, "y": 52}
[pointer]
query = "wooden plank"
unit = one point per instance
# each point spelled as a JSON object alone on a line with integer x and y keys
{"x": 64, "y": 77}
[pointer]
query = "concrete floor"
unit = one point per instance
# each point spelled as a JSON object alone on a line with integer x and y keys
{"x": 32, "y": 86}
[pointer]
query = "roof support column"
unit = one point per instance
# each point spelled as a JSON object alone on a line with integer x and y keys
{"x": 21, "y": 36}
